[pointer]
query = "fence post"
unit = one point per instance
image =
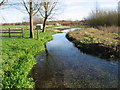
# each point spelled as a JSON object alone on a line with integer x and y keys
{"x": 22, "y": 32}
{"x": 9, "y": 33}
{"x": 37, "y": 34}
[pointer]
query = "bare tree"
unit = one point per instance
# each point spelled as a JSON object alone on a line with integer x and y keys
{"x": 3, "y": 2}
{"x": 47, "y": 11}
{"x": 32, "y": 7}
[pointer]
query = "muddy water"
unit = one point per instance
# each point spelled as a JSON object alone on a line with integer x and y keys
{"x": 64, "y": 66}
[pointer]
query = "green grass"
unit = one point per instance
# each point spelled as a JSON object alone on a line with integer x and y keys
{"x": 15, "y": 26}
{"x": 76, "y": 26}
{"x": 18, "y": 58}
{"x": 51, "y": 27}
{"x": 26, "y": 26}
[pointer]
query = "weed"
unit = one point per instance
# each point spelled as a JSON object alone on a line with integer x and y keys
{"x": 18, "y": 58}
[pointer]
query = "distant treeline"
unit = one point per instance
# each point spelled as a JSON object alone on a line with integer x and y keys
{"x": 62, "y": 22}
{"x": 103, "y": 18}
{"x": 67, "y": 23}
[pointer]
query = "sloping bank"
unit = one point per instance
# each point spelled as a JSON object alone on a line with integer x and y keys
{"x": 18, "y": 58}
{"x": 96, "y": 42}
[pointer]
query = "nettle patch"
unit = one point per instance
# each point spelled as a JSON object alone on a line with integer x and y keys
{"x": 18, "y": 58}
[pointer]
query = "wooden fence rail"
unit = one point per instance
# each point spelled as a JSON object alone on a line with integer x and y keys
{"x": 12, "y": 31}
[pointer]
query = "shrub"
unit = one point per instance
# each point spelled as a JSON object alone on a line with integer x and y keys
{"x": 103, "y": 18}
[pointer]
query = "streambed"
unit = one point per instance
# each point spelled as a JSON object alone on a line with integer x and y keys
{"x": 63, "y": 65}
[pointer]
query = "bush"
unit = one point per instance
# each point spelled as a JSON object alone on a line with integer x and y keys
{"x": 103, "y": 18}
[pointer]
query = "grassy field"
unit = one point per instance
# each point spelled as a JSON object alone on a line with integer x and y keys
{"x": 96, "y": 42}
{"x": 18, "y": 58}
{"x": 77, "y": 26}
{"x": 15, "y": 26}
{"x": 47, "y": 27}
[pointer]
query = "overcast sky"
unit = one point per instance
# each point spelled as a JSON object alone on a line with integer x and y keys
{"x": 71, "y": 10}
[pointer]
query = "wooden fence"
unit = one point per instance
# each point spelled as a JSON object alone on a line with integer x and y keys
{"x": 12, "y": 32}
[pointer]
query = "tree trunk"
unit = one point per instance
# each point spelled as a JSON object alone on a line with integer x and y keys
{"x": 31, "y": 21}
{"x": 31, "y": 27}
{"x": 44, "y": 23}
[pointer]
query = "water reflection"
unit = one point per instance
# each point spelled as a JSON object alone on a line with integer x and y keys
{"x": 64, "y": 66}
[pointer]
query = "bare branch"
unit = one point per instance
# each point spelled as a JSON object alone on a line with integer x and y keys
{"x": 48, "y": 8}
{"x": 53, "y": 6}
{"x": 36, "y": 11}
{"x": 38, "y": 8}
{"x": 25, "y": 5}
{"x": 3, "y": 2}
{"x": 41, "y": 14}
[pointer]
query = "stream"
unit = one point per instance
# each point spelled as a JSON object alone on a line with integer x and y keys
{"x": 63, "y": 65}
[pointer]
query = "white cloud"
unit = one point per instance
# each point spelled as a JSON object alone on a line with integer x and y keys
{"x": 73, "y": 10}
{"x": 11, "y": 16}
{"x": 109, "y": 6}
{"x": 76, "y": 14}
{"x": 71, "y": 1}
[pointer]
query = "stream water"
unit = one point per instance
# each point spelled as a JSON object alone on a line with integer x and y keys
{"x": 65, "y": 66}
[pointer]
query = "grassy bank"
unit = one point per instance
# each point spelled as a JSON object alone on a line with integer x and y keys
{"x": 18, "y": 58}
{"x": 96, "y": 42}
